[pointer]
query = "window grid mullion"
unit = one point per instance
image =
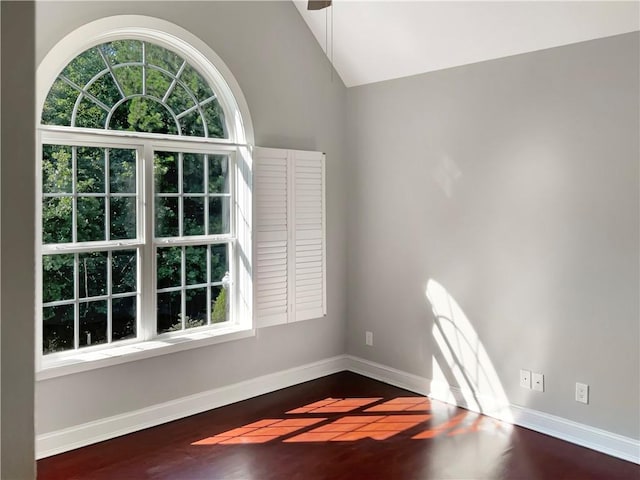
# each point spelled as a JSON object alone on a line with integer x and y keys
{"x": 183, "y": 284}
{"x": 107, "y": 234}
{"x": 55, "y": 249}
{"x": 74, "y": 193}
{"x": 147, "y": 317}
{"x": 144, "y": 68}
{"x": 183, "y": 281}
{"x": 107, "y": 197}
{"x": 109, "y": 298}
{"x": 209, "y": 288}
{"x": 96, "y": 298}
{"x": 76, "y": 302}
{"x": 206, "y": 195}
{"x": 180, "y": 196}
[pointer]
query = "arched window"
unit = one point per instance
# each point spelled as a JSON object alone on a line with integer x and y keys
{"x": 134, "y": 85}
{"x": 145, "y": 190}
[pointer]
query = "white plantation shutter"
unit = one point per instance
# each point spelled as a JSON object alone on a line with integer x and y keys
{"x": 290, "y": 262}
{"x": 271, "y": 232}
{"x": 308, "y": 232}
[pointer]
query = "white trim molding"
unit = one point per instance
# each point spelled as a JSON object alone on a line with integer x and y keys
{"x": 52, "y": 443}
{"x": 584, "y": 435}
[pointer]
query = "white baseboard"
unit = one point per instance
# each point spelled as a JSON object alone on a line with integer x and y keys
{"x": 104, "y": 429}
{"x": 584, "y": 435}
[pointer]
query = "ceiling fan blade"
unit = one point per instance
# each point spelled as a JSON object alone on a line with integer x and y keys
{"x": 318, "y": 4}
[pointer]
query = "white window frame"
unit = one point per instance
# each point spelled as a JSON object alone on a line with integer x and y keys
{"x": 240, "y": 136}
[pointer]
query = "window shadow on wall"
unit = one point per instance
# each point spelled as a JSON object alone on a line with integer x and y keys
{"x": 461, "y": 360}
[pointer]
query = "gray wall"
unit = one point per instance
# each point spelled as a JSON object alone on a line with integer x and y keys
{"x": 294, "y": 104}
{"x": 514, "y": 184}
{"x": 17, "y": 240}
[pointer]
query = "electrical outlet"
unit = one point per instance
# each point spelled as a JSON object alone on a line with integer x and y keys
{"x": 537, "y": 379}
{"x": 525, "y": 379}
{"x": 368, "y": 338}
{"x": 582, "y": 393}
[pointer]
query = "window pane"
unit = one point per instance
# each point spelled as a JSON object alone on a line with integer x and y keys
{"x": 59, "y": 104}
{"x": 196, "y": 83}
{"x": 90, "y": 115}
{"x": 57, "y": 278}
{"x": 130, "y": 79}
{"x": 92, "y": 274}
{"x": 142, "y": 114}
{"x": 191, "y": 124}
{"x": 105, "y": 89}
{"x": 196, "y": 265}
{"x": 163, "y": 58}
{"x": 123, "y": 271}
{"x": 83, "y": 67}
{"x": 169, "y": 312}
{"x": 122, "y": 170}
{"x": 167, "y": 217}
{"x": 57, "y": 328}
{"x": 165, "y": 170}
{"x": 169, "y": 267}
{"x": 196, "y": 307}
{"x": 123, "y": 218}
{"x": 220, "y": 307}
{"x": 123, "y": 318}
{"x": 193, "y": 216}
{"x": 56, "y": 169}
{"x": 91, "y": 219}
{"x": 93, "y": 323}
{"x": 90, "y": 170}
{"x": 180, "y": 100}
{"x": 214, "y": 117}
{"x": 219, "y": 221}
{"x": 122, "y": 51}
{"x": 218, "y": 174}
{"x": 193, "y": 173}
{"x": 157, "y": 82}
{"x": 219, "y": 262}
{"x": 57, "y": 220}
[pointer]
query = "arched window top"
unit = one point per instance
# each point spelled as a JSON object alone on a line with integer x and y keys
{"x": 143, "y": 74}
{"x": 137, "y": 86}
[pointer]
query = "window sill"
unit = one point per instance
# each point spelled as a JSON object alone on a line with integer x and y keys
{"x": 85, "y": 361}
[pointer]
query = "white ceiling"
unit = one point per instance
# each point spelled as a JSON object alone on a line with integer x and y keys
{"x": 379, "y": 40}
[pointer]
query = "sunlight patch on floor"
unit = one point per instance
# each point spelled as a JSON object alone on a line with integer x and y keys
{"x": 372, "y": 418}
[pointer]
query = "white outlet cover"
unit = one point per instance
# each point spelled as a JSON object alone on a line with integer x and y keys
{"x": 368, "y": 338}
{"x": 537, "y": 380}
{"x": 582, "y": 393}
{"x": 525, "y": 379}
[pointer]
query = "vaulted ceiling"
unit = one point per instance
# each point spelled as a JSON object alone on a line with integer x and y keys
{"x": 379, "y": 40}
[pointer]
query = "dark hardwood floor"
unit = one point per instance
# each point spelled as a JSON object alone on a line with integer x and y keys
{"x": 343, "y": 426}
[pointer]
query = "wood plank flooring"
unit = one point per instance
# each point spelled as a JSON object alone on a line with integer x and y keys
{"x": 340, "y": 427}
